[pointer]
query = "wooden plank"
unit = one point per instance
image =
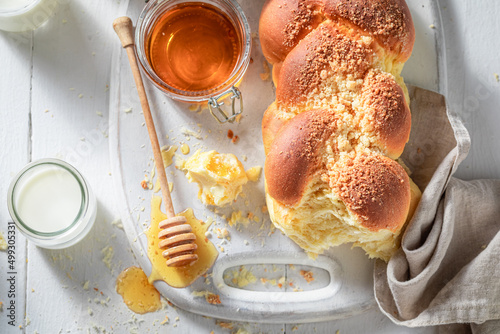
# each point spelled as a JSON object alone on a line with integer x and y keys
{"x": 70, "y": 75}
{"x": 15, "y": 99}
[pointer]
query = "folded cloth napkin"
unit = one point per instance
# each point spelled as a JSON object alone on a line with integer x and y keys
{"x": 447, "y": 271}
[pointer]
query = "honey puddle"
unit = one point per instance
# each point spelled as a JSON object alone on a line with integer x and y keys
{"x": 178, "y": 277}
{"x": 138, "y": 294}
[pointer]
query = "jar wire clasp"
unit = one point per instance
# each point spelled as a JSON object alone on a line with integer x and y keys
{"x": 221, "y": 116}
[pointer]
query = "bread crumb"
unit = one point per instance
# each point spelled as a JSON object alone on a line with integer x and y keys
{"x": 266, "y": 74}
{"x": 179, "y": 162}
{"x": 497, "y": 77}
{"x": 242, "y": 277}
{"x": 432, "y": 26}
{"x": 108, "y": 253}
{"x": 224, "y": 233}
{"x": 190, "y": 133}
{"x": 308, "y": 275}
{"x": 226, "y": 325}
{"x": 253, "y": 173}
{"x": 3, "y": 242}
{"x": 230, "y": 134}
{"x": 117, "y": 223}
{"x": 213, "y": 299}
{"x": 194, "y": 107}
{"x": 128, "y": 110}
{"x": 281, "y": 281}
{"x": 237, "y": 218}
{"x": 210, "y": 297}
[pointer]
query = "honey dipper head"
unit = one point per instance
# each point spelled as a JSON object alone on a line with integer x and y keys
{"x": 178, "y": 241}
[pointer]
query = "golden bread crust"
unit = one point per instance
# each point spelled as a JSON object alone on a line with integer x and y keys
{"x": 271, "y": 123}
{"x": 389, "y": 21}
{"x": 374, "y": 188}
{"x": 386, "y": 113}
{"x": 293, "y": 158}
{"x": 324, "y": 50}
{"x": 283, "y": 23}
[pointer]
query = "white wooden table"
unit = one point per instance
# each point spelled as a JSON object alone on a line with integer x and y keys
{"x": 54, "y": 103}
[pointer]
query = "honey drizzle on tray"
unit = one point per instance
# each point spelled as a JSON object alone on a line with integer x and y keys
{"x": 178, "y": 277}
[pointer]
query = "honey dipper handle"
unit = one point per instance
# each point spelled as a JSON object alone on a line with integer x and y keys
{"x": 124, "y": 29}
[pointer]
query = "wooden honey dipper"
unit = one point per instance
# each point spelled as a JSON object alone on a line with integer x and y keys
{"x": 178, "y": 239}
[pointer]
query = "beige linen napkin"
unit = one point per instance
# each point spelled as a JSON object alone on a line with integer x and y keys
{"x": 448, "y": 268}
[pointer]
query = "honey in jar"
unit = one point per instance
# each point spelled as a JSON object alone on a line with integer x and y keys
{"x": 194, "y": 47}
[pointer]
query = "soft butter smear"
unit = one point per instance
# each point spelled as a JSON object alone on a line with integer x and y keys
{"x": 220, "y": 176}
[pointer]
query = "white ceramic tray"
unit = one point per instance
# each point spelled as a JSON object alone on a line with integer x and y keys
{"x": 343, "y": 283}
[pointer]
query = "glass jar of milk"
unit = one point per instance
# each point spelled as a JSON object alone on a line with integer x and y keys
{"x": 52, "y": 204}
{"x": 23, "y": 15}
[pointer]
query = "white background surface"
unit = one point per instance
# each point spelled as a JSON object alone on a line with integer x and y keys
{"x": 52, "y": 83}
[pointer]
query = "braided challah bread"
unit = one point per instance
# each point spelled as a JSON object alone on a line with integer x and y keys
{"x": 339, "y": 122}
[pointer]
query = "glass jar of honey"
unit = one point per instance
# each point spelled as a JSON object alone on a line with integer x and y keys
{"x": 195, "y": 51}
